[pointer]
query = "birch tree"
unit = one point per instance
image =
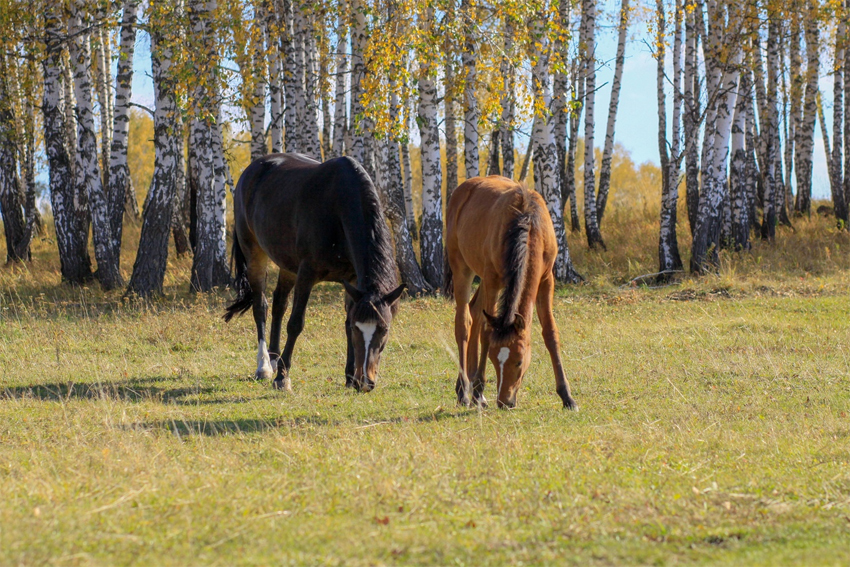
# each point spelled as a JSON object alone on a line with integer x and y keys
{"x": 14, "y": 224}
{"x": 340, "y": 104}
{"x": 68, "y": 205}
{"x": 836, "y": 174}
{"x": 431, "y": 231}
{"x": 591, "y": 226}
{"x": 668, "y": 246}
{"x": 508, "y": 101}
{"x": 88, "y": 176}
{"x": 151, "y": 259}
{"x": 119, "y": 170}
{"x": 546, "y": 176}
{"x": 209, "y": 263}
{"x": 471, "y": 114}
{"x": 608, "y": 150}
{"x": 804, "y": 147}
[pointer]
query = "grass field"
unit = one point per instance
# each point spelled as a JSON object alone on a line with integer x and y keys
{"x": 714, "y": 427}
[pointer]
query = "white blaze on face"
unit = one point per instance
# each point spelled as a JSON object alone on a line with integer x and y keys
{"x": 368, "y": 331}
{"x": 504, "y": 353}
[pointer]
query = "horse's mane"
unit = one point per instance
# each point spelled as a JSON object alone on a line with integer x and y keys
{"x": 515, "y": 259}
{"x": 380, "y": 276}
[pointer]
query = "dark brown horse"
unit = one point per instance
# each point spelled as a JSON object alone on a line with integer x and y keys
{"x": 317, "y": 222}
{"x": 502, "y": 232}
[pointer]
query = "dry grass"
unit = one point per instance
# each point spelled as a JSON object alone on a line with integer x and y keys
{"x": 713, "y": 427}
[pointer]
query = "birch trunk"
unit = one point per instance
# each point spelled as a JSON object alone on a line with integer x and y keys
{"x": 805, "y": 147}
{"x": 69, "y": 216}
{"x": 837, "y": 176}
{"x": 560, "y": 90}
{"x": 431, "y": 232}
{"x": 508, "y": 102}
{"x": 119, "y": 170}
{"x": 608, "y": 150}
{"x": 740, "y": 232}
{"x": 691, "y": 115}
{"x": 451, "y": 128}
{"x": 88, "y": 177}
{"x": 33, "y": 223}
{"x": 668, "y": 246}
{"x": 797, "y": 87}
{"x": 312, "y": 145}
{"x": 410, "y": 214}
{"x": 575, "y": 117}
{"x": 272, "y": 31}
{"x": 293, "y": 86}
{"x": 14, "y": 223}
{"x": 471, "y": 114}
{"x": 152, "y": 257}
{"x": 591, "y": 226}
{"x": 358, "y": 73}
{"x": 771, "y": 195}
{"x": 209, "y": 264}
{"x": 340, "y": 107}
{"x": 257, "y": 106}
{"x": 493, "y": 166}
{"x": 69, "y": 109}
{"x": 546, "y": 175}
{"x": 102, "y": 78}
{"x": 391, "y": 182}
{"x": 845, "y": 20}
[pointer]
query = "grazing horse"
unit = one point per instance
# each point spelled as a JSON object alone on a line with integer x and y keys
{"x": 502, "y": 232}
{"x": 317, "y": 222}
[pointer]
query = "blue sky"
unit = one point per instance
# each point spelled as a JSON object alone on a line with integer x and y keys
{"x": 637, "y": 116}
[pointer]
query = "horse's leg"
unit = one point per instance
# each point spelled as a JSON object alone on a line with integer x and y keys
{"x": 257, "y": 267}
{"x": 486, "y": 302}
{"x": 349, "y": 348}
{"x": 474, "y": 332}
{"x": 462, "y": 277}
{"x": 545, "y": 298}
{"x": 303, "y": 285}
{"x": 279, "y": 301}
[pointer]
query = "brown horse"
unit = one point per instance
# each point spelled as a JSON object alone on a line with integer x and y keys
{"x": 502, "y": 232}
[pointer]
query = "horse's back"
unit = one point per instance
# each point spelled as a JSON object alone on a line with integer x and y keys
{"x": 292, "y": 207}
{"x": 480, "y": 213}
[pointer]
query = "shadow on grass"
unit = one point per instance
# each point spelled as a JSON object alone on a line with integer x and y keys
{"x": 214, "y": 428}
{"x": 135, "y": 390}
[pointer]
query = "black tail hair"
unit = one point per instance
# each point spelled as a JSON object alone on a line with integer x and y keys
{"x": 448, "y": 284}
{"x": 244, "y": 295}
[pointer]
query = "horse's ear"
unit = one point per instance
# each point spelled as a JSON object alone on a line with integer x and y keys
{"x": 491, "y": 320}
{"x": 355, "y": 293}
{"x": 519, "y": 322}
{"x": 393, "y": 296}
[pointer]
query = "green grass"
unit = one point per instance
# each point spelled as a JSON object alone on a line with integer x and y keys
{"x": 713, "y": 429}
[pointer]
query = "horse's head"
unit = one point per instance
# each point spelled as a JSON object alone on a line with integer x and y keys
{"x": 370, "y": 316}
{"x": 510, "y": 353}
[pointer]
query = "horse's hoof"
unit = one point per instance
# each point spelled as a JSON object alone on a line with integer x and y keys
{"x": 570, "y": 405}
{"x": 263, "y": 374}
{"x": 282, "y": 384}
{"x": 463, "y": 401}
{"x": 481, "y": 401}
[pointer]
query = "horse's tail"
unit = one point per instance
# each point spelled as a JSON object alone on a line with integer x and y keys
{"x": 244, "y": 295}
{"x": 448, "y": 284}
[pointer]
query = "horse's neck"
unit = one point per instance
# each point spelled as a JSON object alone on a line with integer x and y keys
{"x": 365, "y": 253}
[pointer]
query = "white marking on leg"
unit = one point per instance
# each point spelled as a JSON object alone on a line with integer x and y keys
{"x": 504, "y": 353}
{"x": 263, "y": 363}
{"x": 368, "y": 331}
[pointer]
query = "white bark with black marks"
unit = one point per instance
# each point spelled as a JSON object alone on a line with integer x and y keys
{"x": 591, "y": 225}
{"x": 471, "y": 113}
{"x": 272, "y": 31}
{"x": 608, "y": 149}
{"x": 88, "y": 177}
{"x": 119, "y": 170}
{"x": 151, "y": 260}
{"x": 358, "y": 72}
{"x": 340, "y": 104}
{"x": 837, "y": 175}
{"x": 293, "y": 86}
{"x": 546, "y": 175}
{"x": 257, "y": 107}
{"x": 508, "y": 101}
{"x": 804, "y": 148}
{"x": 209, "y": 263}
{"x": 69, "y": 212}
{"x": 312, "y": 145}
{"x": 431, "y": 232}
{"x": 740, "y": 207}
